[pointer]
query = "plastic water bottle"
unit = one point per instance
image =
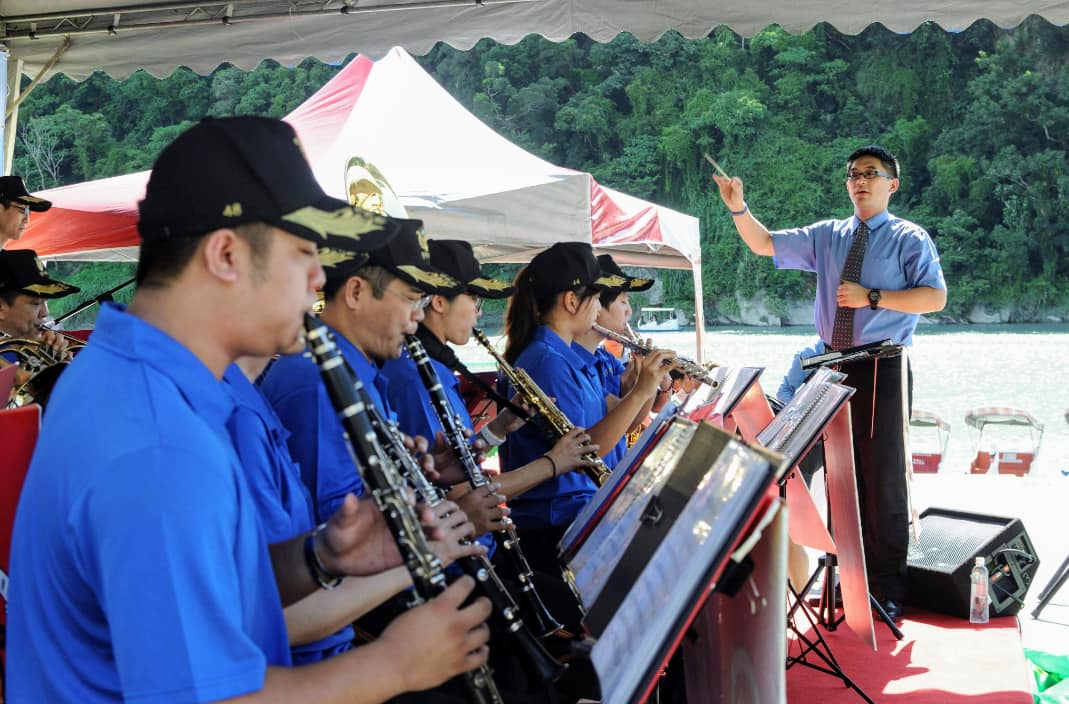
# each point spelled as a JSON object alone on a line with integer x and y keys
{"x": 978, "y": 600}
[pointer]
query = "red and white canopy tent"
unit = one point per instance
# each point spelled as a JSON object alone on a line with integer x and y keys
{"x": 449, "y": 169}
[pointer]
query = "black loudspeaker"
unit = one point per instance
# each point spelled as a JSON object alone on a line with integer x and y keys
{"x": 940, "y": 564}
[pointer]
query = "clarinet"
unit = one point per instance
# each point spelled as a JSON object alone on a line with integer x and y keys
{"x": 538, "y": 400}
{"x": 687, "y": 366}
{"x": 507, "y": 539}
{"x": 348, "y": 396}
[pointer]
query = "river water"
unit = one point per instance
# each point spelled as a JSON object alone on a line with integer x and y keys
{"x": 956, "y": 368}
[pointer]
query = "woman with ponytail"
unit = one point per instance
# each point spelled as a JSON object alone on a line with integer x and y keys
{"x": 556, "y": 300}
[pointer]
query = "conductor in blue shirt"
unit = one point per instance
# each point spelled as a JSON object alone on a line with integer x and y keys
{"x": 876, "y": 275}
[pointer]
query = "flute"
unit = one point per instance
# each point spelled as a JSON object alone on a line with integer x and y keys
{"x": 687, "y": 366}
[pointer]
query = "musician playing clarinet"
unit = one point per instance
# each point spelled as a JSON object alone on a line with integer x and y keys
{"x": 876, "y": 274}
{"x": 140, "y": 569}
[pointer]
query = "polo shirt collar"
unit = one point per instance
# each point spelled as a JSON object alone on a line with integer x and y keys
{"x": 132, "y": 338}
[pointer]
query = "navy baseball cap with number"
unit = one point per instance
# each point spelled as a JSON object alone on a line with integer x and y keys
{"x": 228, "y": 171}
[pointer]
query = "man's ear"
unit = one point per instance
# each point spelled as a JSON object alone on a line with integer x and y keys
{"x": 220, "y": 256}
{"x": 354, "y": 289}
{"x": 439, "y": 304}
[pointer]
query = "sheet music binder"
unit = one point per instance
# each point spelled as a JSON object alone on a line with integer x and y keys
{"x": 734, "y": 382}
{"x": 883, "y": 348}
{"x": 692, "y": 454}
{"x": 795, "y": 429}
{"x": 594, "y": 509}
{"x": 640, "y": 618}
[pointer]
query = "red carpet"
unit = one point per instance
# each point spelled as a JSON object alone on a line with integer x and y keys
{"x": 941, "y": 660}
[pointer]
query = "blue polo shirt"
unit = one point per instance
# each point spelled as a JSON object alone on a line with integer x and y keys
{"x": 408, "y": 395}
{"x": 139, "y": 566}
{"x": 573, "y": 382}
{"x": 899, "y": 255}
{"x": 283, "y": 503}
{"x": 317, "y": 440}
{"x": 609, "y": 382}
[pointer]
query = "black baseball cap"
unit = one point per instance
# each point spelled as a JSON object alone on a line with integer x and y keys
{"x": 620, "y": 281}
{"x": 457, "y": 259}
{"x": 566, "y": 266}
{"x": 408, "y": 257}
{"x": 13, "y": 190}
{"x": 228, "y": 171}
{"x": 21, "y": 271}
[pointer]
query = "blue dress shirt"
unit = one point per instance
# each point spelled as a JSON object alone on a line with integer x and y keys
{"x": 573, "y": 382}
{"x": 139, "y": 565}
{"x": 795, "y": 376}
{"x": 282, "y": 500}
{"x": 899, "y": 255}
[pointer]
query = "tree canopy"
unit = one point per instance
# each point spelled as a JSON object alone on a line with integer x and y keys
{"x": 979, "y": 120}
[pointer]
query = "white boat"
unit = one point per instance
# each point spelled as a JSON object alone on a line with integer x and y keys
{"x": 660, "y": 320}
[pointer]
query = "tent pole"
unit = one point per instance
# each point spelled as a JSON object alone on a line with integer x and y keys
{"x": 11, "y": 113}
{"x": 699, "y": 307}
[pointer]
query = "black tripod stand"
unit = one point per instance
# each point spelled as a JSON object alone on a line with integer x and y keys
{"x": 1055, "y": 583}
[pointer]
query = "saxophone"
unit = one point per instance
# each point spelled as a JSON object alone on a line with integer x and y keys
{"x": 536, "y": 398}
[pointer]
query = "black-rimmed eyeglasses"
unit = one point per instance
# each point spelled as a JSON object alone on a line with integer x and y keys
{"x": 868, "y": 175}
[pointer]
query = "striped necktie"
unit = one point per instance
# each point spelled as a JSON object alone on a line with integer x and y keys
{"x": 842, "y": 334}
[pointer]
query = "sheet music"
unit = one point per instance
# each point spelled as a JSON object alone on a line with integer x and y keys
{"x": 673, "y": 584}
{"x": 619, "y": 474}
{"x": 795, "y": 428}
{"x": 734, "y": 383}
{"x": 599, "y": 555}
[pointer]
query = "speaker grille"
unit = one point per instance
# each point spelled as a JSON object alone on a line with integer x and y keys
{"x": 947, "y": 542}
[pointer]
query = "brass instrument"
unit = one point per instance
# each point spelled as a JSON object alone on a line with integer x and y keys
{"x": 40, "y": 362}
{"x": 687, "y": 366}
{"x": 536, "y": 398}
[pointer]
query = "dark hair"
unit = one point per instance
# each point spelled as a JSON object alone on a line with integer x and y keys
{"x": 160, "y": 261}
{"x": 609, "y": 297}
{"x": 9, "y": 297}
{"x": 377, "y": 277}
{"x": 526, "y": 308}
{"x": 889, "y": 161}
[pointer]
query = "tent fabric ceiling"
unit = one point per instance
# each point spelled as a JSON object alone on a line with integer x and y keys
{"x": 202, "y": 35}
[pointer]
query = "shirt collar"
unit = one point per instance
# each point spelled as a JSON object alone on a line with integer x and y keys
{"x": 128, "y": 336}
{"x": 874, "y": 222}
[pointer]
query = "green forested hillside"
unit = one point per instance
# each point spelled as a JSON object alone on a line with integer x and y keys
{"x": 980, "y": 120}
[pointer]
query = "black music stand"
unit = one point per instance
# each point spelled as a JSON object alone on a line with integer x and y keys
{"x": 677, "y": 546}
{"x": 1055, "y": 583}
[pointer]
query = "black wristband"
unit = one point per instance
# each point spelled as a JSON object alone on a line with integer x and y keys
{"x": 551, "y": 464}
{"x": 322, "y": 576}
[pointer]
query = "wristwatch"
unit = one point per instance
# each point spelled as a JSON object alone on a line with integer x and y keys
{"x": 874, "y": 298}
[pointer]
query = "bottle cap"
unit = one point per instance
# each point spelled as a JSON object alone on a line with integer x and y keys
{"x": 979, "y": 561}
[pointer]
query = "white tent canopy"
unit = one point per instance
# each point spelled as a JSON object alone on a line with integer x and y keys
{"x": 121, "y": 36}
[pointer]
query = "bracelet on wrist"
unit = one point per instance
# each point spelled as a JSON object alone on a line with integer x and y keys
{"x": 489, "y": 437}
{"x": 737, "y": 213}
{"x": 322, "y": 576}
{"x": 551, "y": 464}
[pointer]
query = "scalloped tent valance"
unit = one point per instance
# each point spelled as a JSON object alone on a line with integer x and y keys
{"x": 120, "y": 36}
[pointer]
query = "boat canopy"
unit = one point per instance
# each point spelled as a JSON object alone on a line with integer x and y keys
{"x": 1001, "y": 415}
{"x": 927, "y": 419}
